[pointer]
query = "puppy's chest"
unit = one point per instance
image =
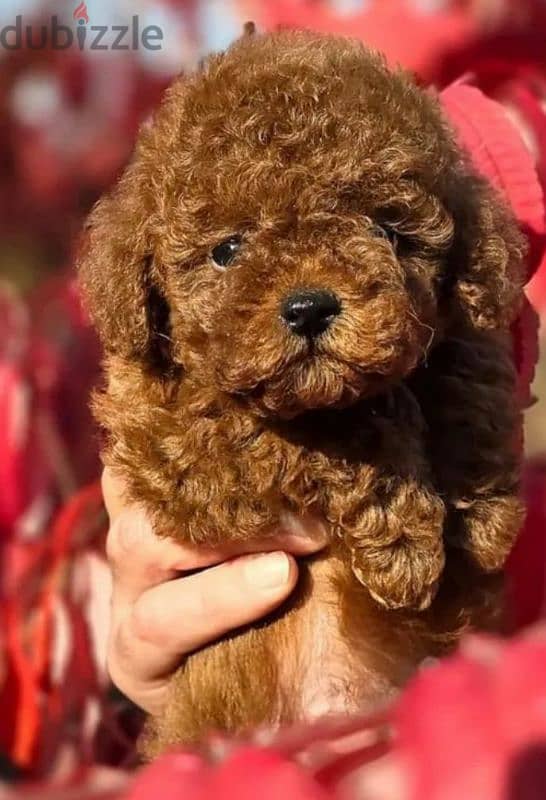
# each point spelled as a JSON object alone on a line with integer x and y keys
{"x": 308, "y": 463}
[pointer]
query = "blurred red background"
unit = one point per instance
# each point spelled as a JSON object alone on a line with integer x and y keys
{"x": 68, "y": 119}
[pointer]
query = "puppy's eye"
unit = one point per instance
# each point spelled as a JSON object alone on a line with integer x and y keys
{"x": 224, "y": 253}
{"x": 385, "y": 232}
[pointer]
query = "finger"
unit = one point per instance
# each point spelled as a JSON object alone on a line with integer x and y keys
{"x": 291, "y": 525}
{"x": 113, "y": 492}
{"x": 172, "y": 620}
{"x": 182, "y": 615}
{"x": 299, "y": 536}
{"x": 140, "y": 559}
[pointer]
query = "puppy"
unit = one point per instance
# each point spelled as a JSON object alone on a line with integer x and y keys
{"x": 304, "y": 294}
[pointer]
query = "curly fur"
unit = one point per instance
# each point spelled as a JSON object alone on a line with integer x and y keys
{"x": 399, "y": 426}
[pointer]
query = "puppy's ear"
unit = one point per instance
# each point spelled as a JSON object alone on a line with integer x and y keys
{"x": 487, "y": 262}
{"x": 115, "y": 271}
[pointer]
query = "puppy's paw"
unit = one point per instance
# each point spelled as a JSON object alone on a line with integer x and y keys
{"x": 490, "y": 527}
{"x": 397, "y": 549}
{"x": 400, "y": 575}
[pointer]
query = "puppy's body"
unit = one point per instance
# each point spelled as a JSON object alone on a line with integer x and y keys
{"x": 306, "y": 294}
{"x": 332, "y": 648}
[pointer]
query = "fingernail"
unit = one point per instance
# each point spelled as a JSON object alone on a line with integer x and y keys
{"x": 306, "y": 527}
{"x": 268, "y": 571}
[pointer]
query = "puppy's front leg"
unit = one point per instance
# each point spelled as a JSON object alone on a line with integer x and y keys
{"x": 392, "y": 520}
{"x": 469, "y": 396}
{"x": 397, "y": 546}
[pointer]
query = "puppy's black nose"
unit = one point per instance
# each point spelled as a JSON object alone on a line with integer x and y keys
{"x": 310, "y": 312}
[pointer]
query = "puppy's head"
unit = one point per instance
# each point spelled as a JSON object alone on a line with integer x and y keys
{"x": 296, "y": 228}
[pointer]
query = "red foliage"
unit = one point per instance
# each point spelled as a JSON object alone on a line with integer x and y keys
{"x": 43, "y": 95}
{"x": 247, "y": 774}
{"x": 476, "y": 725}
{"x": 473, "y": 727}
{"x": 48, "y": 364}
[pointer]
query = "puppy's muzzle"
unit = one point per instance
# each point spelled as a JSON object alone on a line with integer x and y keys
{"x": 310, "y": 312}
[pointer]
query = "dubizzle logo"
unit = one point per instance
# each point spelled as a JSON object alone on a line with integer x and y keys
{"x": 82, "y": 18}
{"x": 80, "y": 14}
{"x": 57, "y": 36}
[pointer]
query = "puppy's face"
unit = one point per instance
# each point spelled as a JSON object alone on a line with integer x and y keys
{"x": 295, "y": 204}
{"x": 316, "y": 302}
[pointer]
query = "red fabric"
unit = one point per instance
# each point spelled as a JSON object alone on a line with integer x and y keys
{"x": 500, "y": 154}
{"x": 526, "y": 601}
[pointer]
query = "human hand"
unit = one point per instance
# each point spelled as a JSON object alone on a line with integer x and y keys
{"x": 159, "y": 615}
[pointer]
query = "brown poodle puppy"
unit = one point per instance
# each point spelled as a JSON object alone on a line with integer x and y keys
{"x": 304, "y": 293}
